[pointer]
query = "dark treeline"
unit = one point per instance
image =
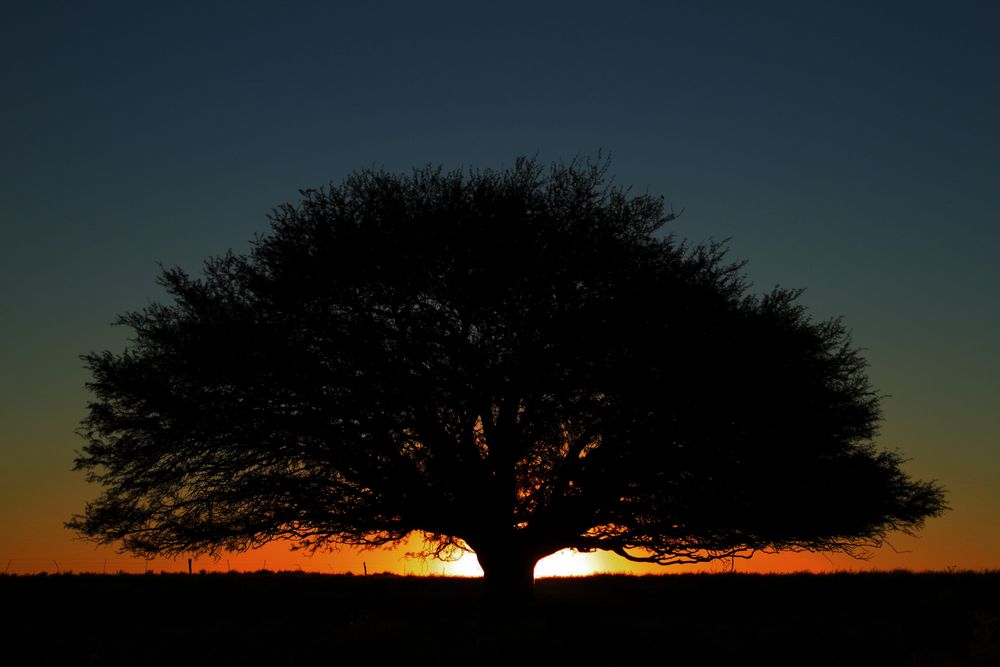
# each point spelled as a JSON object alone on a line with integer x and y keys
{"x": 876, "y": 618}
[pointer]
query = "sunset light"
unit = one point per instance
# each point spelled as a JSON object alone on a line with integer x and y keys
{"x": 570, "y": 563}
{"x": 565, "y": 563}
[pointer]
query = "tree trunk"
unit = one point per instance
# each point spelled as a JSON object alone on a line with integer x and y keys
{"x": 509, "y": 578}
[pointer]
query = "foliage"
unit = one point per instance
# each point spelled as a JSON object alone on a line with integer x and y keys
{"x": 511, "y": 361}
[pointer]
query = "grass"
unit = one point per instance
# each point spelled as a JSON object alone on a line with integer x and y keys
{"x": 896, "y": 618}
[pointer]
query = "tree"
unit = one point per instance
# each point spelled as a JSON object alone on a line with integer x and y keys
{"x": 512, "y": 362}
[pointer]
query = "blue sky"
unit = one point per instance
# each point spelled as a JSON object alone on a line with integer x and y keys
{"x": 847, "y": 148}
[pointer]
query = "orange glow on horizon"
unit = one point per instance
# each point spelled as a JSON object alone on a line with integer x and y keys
{"x": 28, "y": 546}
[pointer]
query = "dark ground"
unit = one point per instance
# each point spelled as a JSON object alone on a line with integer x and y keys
{"x": 288, "y": 618}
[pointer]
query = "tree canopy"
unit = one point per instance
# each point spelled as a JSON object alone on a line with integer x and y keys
{"x": 513, "y": 361}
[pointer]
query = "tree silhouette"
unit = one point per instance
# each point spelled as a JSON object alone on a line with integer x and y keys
{"x": 513, "y": 362}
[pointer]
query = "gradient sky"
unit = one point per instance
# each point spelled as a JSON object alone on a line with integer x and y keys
{"x": 847, "y": 149}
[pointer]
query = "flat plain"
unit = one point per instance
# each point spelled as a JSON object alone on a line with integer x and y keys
{"x": 891, "y": 618}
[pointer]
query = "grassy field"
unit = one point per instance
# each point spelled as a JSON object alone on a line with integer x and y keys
{"x": 291, "y": 618}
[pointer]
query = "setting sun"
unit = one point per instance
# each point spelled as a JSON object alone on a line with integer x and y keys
{"x": 570, "y": 563}
{"x": 565, "y": 563}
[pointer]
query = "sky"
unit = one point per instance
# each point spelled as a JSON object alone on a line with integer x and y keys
{"x": 848, "y": 148}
